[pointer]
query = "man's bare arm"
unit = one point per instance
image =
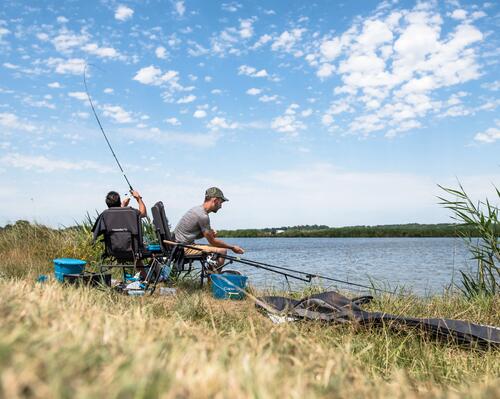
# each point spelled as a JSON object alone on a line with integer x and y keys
{"x": 142, "y": 206}
{"x": 215, "y": 242}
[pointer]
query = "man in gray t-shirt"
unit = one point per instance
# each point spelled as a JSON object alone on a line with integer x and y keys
{"x": 195, "y": 224}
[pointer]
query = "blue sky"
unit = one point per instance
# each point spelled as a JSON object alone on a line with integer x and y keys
{"x": 338, "y": 113}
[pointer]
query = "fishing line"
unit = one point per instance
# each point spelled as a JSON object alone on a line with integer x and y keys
{"x": 100, "y": 125}
{"x": 285, "y": 271}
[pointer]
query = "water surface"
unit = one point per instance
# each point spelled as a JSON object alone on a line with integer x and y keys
{"x": 423, "y": 265}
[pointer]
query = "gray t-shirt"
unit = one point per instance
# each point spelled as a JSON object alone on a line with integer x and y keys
{"x": 192, "y": 225}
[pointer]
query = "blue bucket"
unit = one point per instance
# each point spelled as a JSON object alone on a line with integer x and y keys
{"x": 228, "y": 286}
{"x": 154, "y": 247}
{"x": 64, "y": 266}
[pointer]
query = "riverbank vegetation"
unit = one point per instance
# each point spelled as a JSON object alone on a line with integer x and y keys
{"x": 393, "y": 230}
{"x": 484, "y": 245}
{"x": 67, "y": 342}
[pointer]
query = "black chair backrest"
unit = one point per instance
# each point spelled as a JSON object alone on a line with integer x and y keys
{"x": 161, "y": 223}
{"x": 122, "y": 231}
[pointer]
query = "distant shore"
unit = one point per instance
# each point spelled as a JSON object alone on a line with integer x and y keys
{"x": 386, "y": 230}
{"x": 390, "y": 230}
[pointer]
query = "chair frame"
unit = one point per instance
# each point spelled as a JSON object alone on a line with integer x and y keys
{"x": 176, "y": 258}
{"x": 137, "y": 251}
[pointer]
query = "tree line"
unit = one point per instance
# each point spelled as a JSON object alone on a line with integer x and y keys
{"x": 392, "y": 230}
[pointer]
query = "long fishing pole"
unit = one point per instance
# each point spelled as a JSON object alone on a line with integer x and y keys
{"x": 276, "y": 269}
{"x": 102, "y": 130}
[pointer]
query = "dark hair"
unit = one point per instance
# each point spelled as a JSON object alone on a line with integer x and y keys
{"x": 113, "y": 199}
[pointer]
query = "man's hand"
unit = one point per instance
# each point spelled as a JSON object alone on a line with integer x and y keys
{"x": 135, "y": 194}
{"x": 237, "y": 250}
{"x": 125, "y": 202}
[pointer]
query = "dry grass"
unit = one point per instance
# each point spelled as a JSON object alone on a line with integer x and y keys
{"x": 59, "y": 341}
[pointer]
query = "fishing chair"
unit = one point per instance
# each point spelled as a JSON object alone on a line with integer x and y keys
{"x": 121, "y": 232}
{"x": 176, "y": 259}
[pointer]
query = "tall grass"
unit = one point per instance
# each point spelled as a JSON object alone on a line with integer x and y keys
{"x": 64, "y": 342}
{"x": 28, "y": 249}
{"x": 484, "y": 246}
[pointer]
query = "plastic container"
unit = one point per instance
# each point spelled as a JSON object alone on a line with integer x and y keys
{"x": 64, "y": 266}
{"x": 228, "y": 286}
{"x": 167, "y": 291}
{"x": 136, "y": 292}
{"x": 154, "y": 247}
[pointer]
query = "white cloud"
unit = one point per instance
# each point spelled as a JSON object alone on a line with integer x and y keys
{"x": 253, "y": 91}
{"x": 246, "y": 28}
{"x": 288, "y": 122}
{"x": 42, "y": 36}
{"x": 287, "y": 40}
{"x": 325, "y": 70}
{"x": 375, "y": 33}
{"x": 82, "y": 115}
{"x": 104, "y": 52}
{"x": 44, "y": 164}
{"x": 218, "y": 123}
{"x": 251, "y": 71}
{"x": 62, "y": 19}
{"x": 73, "y": 66}
{"x": 117, "y": 113}
{"x": 330, "y": 49}
{"x": 199, "y": 113}
{"x": 187, "y": 99}
{"x": 153, "y": 76}
{"x": 478, "y": 14}
{"x": 306, "y": 113}
{"x": 108, "y": 90}
{"x": 67, "y": 40}
{"x": 393, "y": 64}
{"x": 8, "y": 65}
{"x": 231, "y": 7}
{"x": 3, "y": 32}
{"x": 267, "y": 99}
{"x": 197, "y": 50}
{"x": 173, "y": 121}
{"x": 54, "y": 85}
{"x": 148, "y": 75}
{"x": 33, "y": 102}
{"x": 123, "y": 13}
{"x": 327, "y": 119}
{"x": 12, "y": 121}
{"x": 180, "y": 8}
{"x": 262, "y": 41}
{"x": 79, "y": 95}
{"x": 490, "y": 135}
{"x": 459, "y": 14}
{"x": 493, "y": 86}
{"x": 161, "y": 52}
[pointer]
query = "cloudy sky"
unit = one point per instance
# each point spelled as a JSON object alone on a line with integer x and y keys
{"x": 327, "y": 112}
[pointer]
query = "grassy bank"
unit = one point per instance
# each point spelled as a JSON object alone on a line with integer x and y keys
{"x": 58, "y": 341}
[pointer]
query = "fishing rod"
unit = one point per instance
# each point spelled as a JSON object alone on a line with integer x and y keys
{"x": 285, "y": 271}
{"x": 102, "y": 130}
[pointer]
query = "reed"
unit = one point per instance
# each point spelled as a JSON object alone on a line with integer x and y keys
{"x": 481, "y": 218}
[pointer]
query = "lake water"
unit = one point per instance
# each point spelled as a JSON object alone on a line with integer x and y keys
{"x": 422, "y": 265}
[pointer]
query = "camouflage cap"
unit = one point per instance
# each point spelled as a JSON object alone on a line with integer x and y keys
{"x": 215, "y": 192}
